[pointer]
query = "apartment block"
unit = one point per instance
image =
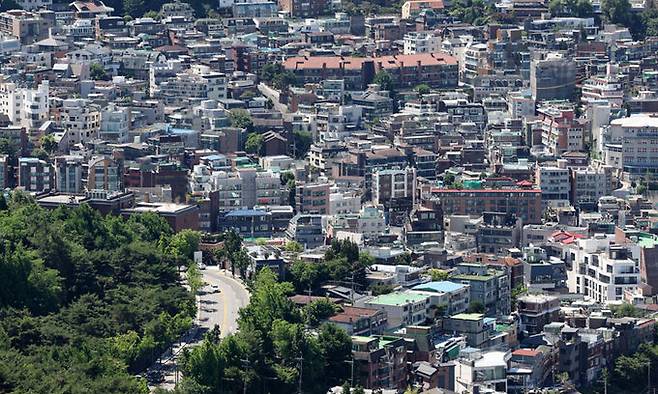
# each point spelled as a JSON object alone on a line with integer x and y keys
{"x": 524, "y": 203}
{"x": 68, "y": 174}
{"x": 35, "y": 175}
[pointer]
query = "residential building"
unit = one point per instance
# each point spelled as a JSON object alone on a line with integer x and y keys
{"x": 555, "y": 185}
{"x": 35, "y": 175}
{"x": 81, "y": 119}
{"x": 631, "y": 145}
{"x": 380, "y": 362}
{"x": 313, "y": 198}
{"x": 552, "y": 78}
{"x": 435, "y": 69}
{"x": 537, "y": 310}
{"x": 304, "y": 8}
{"x": 402, "y": 308}
{"x": 360, "y": 321}
{"x": 104, "y": 173}
{"x": 115, "y": 124}
{"x": 455, "y": 297}
{"x": 394, "y": 184}
{"x": 470, "y": 325}
{"x": 524, "y": 203}
{"x": 421, "y": 42}
{"x": 307, "y": 230}
{"x": 588, "y": 185}
{"x": 601, "y": 270}
{"x": 68, "y": 174}
{"x": 25, "y": 107}
{"x": 560, "y": 130}
{"x": 488, "y": 286}
{"x": 27, "y": 27}
{"x": 482, "y": 371}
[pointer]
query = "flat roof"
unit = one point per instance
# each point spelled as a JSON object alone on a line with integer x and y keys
{"x": 440, "y": 287}
{"x": 397, "y": 298}
{"x": 473, "y": 277}
{"x": 468, "y": 316}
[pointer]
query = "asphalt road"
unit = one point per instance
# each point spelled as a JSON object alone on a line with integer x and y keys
{"x": 221, "y": 308}
{"x": 215, "y": 308}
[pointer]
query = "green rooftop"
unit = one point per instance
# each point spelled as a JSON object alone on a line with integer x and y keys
{"x": 646, "y": 240}
{"x": 468, "y": 316}
{"x": 397, "y": 298}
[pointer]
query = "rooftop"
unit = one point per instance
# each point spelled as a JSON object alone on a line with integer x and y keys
{"x": 468, "y": 316}
{"x": 397, "y": 298}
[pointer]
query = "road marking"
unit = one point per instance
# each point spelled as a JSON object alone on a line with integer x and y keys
{"x": 225, "y": 319}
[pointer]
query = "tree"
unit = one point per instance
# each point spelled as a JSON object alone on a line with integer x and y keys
{"x": 384, "y": 80}
{"x": 153, "y": 15}
{"x": 438, "y": 275}
{"x": 49, "y": 144}
{"x": 476, "y": 307}
{"x": 194, "y": 278}
{"x": 184, "y": 244}
{"x": 336, "y": 350}
{"x": 293, "y": 247}
{"x": 98, "y": 73}
{"x": 254, "y": 144}
{"x": 516, "y": 293}
{"x": 284, "y": 80}
{"x": 241, "y": 118}
{"x": 358, "y": 390}
{"x": 448, "y": 179}
{"x": 380, "y": 289}
{"x": 7, "y": 5}
{"x": 318, "y": 311}
{"x": 303, "y": 141}
{"x": 626, "y": 310}
{"x": 345, "y": 388}
{"x": 423, "y": 89}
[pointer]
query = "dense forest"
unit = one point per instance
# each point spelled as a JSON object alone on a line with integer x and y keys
{"x": 86, "y": 302}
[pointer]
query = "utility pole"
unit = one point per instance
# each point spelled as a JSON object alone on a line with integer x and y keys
{"x": 649, "y": 376}
{"x": 246, "y": 364}
{"x": 301, "y": 369}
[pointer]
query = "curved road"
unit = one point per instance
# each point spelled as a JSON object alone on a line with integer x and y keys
{"x": 215, "y": 308}
{"x": 221, "y": 308}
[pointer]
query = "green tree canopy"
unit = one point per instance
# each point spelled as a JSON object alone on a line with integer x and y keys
{"x": 254, "y": 143}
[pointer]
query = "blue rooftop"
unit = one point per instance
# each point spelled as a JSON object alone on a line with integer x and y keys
{"x": 439, "y": 287}
{"x": 247, "y": 212}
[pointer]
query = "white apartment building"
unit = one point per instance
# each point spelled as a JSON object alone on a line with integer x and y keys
{"x": 167, "y": 82}
{"x": 481, "y": 372}
{"x": 520, "y": 104}
{"x": 393, "y": 184}
{"x": 335, "y": 121}
{"x": 604, "y": 88}
{"x": 371, "y": 221}
{"x": 475, "y": 59}
{"x": 588, "y": 185}
{"x": 341, "y": 203}
{"x": 631, "y": 145}
{"x": 421, "y": 42}
{"x": 240, "y": 189}
{"x": 25, "y": 107}
{"x": 115, "y": 124}
{"x": 81, "y": 28}
{"x": 601, "y": 270}
{"x": 555, "y": 185}
{"x": 81, "y": 119}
